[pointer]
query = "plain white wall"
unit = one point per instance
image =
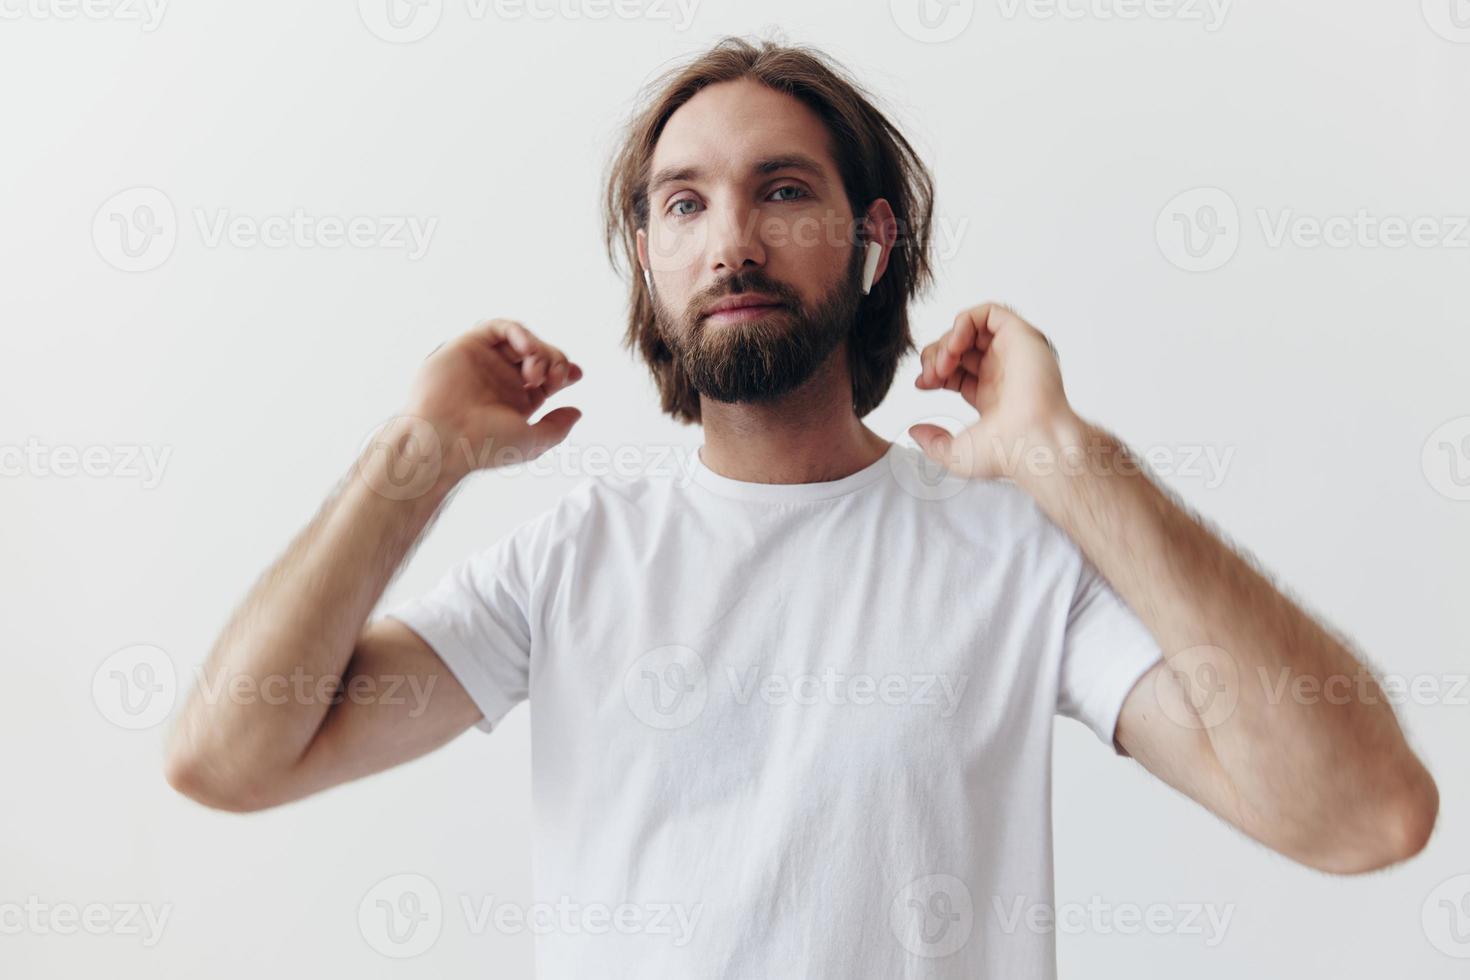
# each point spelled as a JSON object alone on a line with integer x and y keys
{"x": 1329, "y": 382}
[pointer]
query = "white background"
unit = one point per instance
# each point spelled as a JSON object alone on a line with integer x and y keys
{"x": 1058, "y": 142}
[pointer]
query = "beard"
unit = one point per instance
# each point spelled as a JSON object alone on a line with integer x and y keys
{"x": 762, "y": 359}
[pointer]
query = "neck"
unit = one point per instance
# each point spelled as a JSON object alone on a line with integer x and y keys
{"x": 808, "y": 435}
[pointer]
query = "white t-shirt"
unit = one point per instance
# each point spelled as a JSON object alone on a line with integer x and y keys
{"x": 790, "y": 729}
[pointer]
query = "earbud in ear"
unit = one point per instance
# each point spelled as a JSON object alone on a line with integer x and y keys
{"x": 648, "y": 280}
{"x": 870, "y": 265}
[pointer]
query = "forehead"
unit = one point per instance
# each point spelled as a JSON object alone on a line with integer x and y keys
{"x": 727, "y": 127}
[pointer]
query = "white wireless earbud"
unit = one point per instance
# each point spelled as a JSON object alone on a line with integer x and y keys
{"x": 870, "y": 265}
{"x": 648, "y": 280}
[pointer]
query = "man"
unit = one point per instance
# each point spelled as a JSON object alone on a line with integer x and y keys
{"x": 802, "y": 702}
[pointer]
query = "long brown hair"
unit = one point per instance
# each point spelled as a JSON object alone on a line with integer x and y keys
{"x": 873, "y": 159}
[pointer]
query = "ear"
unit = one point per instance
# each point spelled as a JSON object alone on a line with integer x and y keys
{"x": 642, "y": 237}
{"x": 879, "y": 225}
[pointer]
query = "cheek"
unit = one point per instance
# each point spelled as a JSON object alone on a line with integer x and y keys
{"x": 673, "y": 292}
{"x": 814, "y": 243}
{"x": 676, "y": 250}
{"x": 812, "y": 270}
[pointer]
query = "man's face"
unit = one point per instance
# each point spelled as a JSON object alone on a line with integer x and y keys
{"x": 746, "y": 208}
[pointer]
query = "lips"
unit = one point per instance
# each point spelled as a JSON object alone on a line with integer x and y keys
{"x": 742, "y": 306}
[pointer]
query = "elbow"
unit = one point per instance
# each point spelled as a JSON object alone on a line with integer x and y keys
{"x": 1401, "y": 830}
{"x": 213, "y": 786}
{"x": 1412, "y": 822}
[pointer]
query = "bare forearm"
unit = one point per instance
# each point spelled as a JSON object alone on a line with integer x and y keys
{"x": 272, "y": 675}
{"x": 1301, "y": 769}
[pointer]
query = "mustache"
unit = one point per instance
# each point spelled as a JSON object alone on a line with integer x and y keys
{"x": 738, "y": 283}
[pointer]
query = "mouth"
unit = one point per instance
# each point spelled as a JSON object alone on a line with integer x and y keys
{"x": 742, "y": 308}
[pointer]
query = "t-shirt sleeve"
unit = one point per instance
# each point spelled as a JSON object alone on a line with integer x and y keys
{"x": 476, "y": 620}
{"x": 1105, "y": 650}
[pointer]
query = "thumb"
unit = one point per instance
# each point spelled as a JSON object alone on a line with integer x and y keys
{"x": 550, "y": 429}
{"x": 954, "y": 453}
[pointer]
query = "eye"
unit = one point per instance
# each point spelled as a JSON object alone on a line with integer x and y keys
{"x": 673, "y": 207}
{"x": 798, "y": 193}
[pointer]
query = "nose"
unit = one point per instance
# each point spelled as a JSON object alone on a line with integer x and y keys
{"x": 735, "y": 241}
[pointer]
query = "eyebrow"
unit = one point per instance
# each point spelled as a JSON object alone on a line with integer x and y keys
{"x": 770, "y": 165}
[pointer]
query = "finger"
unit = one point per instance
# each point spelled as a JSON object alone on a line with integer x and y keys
{"x": 970, "y": 388}
{"x": 962, "y": 377}
{"x": 558, "y": 375}
{"x": 1002, "y": 321}
{"x": 929, "y": 377}
{"x": 563, "y": 373}
{"x": 977, "y": 326}
{"x": 959, "y": 338}
{"x": 486, "y": 332}
{"x": 928, "y": 373}
{"x": 541, "y": 364}
{"x": 533, "y": 371}
{"x": 550, "y": 429}
{"x": 498, "y": 333}
{"x": 535, "y": 398}
{"x": 548, "y": 353}
{"x": 546, "y": 366}
{"x": 519, "y": 345}
{"x": 954, "y": 453}
{"x": 969, "y": 332}
{"x": 945, "y": 358}
{"x": 488, "y": 361}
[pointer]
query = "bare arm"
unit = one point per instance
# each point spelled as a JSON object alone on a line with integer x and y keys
{"x": 1329, "y": 782}
{"x": 298, "y": 694}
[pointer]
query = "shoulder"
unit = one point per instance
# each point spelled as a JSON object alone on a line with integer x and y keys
{"x": 594, "y": 507}
{"x": 997, "y": 514}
